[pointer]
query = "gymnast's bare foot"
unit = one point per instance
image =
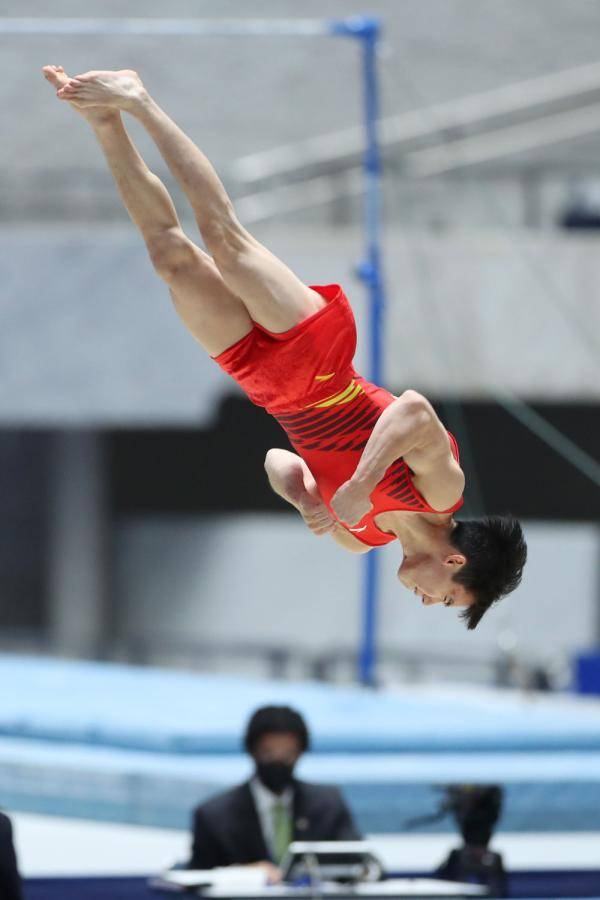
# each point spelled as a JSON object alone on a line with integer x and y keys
{"x": 95, "y": 115}
{"x": 118, "y": 90}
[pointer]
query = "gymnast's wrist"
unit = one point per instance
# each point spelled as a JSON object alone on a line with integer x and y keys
{"x": 363, "y": 483}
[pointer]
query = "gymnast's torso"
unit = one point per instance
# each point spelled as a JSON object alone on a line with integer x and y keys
{"x": 330, "y": 436}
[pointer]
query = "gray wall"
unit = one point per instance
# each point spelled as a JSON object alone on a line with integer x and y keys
{"x": 89, "y": 335}
{"x": 265, "y": 579}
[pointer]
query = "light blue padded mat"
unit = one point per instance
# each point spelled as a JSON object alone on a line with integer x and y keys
{"x": 543, "y": 791}
{"x": 144, "y": 745}
{"x": 169, "y": 711}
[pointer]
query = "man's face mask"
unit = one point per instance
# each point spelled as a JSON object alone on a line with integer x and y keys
{"x": 275, "y": 776}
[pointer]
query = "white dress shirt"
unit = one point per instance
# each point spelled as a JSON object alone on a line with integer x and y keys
{"x": 264, "y": 801}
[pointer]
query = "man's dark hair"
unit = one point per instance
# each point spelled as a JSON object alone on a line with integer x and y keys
{"x": 276, "y": 720}
{"x": 496, "y": 553}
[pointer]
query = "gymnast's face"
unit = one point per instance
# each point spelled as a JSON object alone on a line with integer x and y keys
{"x": 429, "y": 577}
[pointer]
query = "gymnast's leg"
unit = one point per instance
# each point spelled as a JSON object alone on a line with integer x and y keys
{"x": 210, "y": 309}
{"x": 274, "y": 296}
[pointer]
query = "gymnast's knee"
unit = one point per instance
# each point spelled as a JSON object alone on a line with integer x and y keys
{"x": 227, "y": 241}
{"x": 170, "y": 251}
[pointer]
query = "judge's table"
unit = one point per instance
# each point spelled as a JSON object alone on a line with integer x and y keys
{"x": 387, "y": 889}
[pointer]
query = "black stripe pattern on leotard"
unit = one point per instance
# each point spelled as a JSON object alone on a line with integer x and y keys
{"x": 347, "y": 426}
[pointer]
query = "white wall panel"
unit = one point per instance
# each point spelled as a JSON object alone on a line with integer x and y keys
{"x": 264, "y": 578}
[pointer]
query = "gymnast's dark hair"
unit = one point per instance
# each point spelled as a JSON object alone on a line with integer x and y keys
{"x": 496, "y": 553}
{"x": 276, "y": 720}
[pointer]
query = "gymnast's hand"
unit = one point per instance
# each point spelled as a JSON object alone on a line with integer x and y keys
{"x": 350, "y": 503}
{"x": 314, "y": 512}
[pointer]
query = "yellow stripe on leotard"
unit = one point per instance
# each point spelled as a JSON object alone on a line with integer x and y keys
{"x": 345, "y": 396}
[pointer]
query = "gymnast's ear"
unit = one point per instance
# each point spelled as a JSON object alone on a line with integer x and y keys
{"x": 455, "y": 559}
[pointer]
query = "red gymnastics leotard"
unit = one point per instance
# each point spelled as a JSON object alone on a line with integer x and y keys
{"x": 304, "y": 377}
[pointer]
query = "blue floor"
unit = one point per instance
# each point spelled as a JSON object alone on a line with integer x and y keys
{"x": 521, "y": 884}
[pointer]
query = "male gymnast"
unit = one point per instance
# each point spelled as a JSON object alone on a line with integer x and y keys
{"x": 370, "y": 467}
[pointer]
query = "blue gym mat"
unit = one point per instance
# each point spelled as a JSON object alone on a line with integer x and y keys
{"x": 144, "y": 746}
{"x": 169, "y": 711}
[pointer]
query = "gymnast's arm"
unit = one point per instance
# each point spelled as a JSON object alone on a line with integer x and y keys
{"x": 290, "y": 477}
{"x": 407, "y": 428}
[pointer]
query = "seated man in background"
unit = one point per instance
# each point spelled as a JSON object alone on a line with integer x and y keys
{"x": 255, "y": 822}
{"x": 10, "y": 883}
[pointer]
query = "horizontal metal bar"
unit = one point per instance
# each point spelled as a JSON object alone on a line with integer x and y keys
{"x": 178, "y": 27}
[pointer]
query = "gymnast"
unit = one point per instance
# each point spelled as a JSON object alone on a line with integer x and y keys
{"x": 370, "y": 468}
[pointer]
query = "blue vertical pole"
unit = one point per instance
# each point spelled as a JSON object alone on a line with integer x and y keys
{"x": 367, "y": 30}
{"x": 371, "y": 273}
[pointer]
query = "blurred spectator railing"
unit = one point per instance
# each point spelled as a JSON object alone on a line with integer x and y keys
{"x": 447, "y": 137}
{"x": 525, "y": 100}
{"x": 332, "y": 665}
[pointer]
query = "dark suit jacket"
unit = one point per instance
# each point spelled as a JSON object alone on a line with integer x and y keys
{"x": 227, "y": 828}
{"x": 10, "y": 883}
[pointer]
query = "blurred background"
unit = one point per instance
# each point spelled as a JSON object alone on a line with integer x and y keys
{"x": 153, "y": 590}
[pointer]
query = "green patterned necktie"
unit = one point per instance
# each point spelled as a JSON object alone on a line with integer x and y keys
{"x": 282, "y": 830}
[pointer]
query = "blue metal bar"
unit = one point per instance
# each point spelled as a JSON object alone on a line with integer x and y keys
{"x": 371, "y": 273}
{"x": 367, "y": 657}
{"x": 177, "y": 27}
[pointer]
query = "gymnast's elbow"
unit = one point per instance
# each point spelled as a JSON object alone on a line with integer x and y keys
{"x": 274, "y": 458}
{"x": 414, "y": 405}
{"x": 268, "y": 463}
